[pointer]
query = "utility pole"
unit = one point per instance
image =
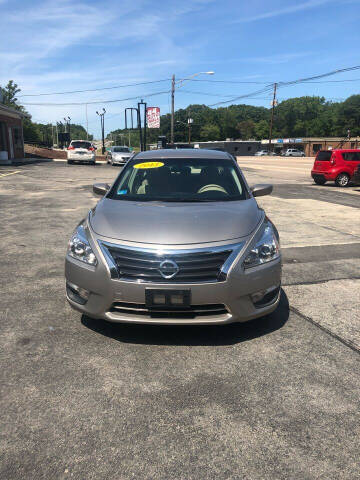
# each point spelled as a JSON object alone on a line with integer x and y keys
{"x": 67, "y": 124}
{"x": 172, "y": 108}
{"x": 87, "y": 123}
{"x": 272, "y": 117}
{"x": 101, "y": 115}
{"x": 190, "y": 121}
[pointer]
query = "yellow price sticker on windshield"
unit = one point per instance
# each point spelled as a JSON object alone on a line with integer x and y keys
{"x": 149, "y": 165}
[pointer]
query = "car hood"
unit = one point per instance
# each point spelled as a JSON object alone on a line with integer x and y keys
{"x": 174, "y": 223}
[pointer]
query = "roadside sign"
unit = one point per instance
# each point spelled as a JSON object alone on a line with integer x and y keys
{"x": 153, "y": 117}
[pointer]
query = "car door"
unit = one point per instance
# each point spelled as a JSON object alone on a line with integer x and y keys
{"x": 351, "y": 161}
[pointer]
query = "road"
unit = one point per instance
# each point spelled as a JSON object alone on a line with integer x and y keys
{"x": 277, "y": 398}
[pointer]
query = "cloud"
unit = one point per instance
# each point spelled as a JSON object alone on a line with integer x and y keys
{"x": 284, "y": 11}
{"x": 278, "y": 58}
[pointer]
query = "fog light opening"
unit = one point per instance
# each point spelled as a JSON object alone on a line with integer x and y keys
{"x": 265, "y": 297}
{"x": 76, "y": 293}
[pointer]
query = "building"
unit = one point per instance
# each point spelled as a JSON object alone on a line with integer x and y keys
{"x": 311, "y": 145}
{"x": 11, "y": 134}
{"x": 234, "y": 147}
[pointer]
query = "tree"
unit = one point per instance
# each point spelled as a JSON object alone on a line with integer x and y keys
{"x": 349, "y": 116}
{"x": 9, "y": 95}
{"x": 210, "y": 132}
{"x": 246, "y": 129}
{"x": 262, "y": 129}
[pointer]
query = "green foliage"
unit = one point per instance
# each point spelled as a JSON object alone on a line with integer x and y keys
{"x": 209, "y": 132}
{"x": 9, "y": 95}
{"x": 296, "y": 117}
{"x": 39, "y": 133}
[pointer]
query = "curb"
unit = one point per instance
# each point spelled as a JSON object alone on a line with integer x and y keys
{"x": 26, "y": 161}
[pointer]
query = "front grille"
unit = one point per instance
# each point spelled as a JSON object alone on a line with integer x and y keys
{"x": 192, "y": 312}
{"x": 199, "y": 266}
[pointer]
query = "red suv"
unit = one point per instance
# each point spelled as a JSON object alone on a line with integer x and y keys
{"x": 335, "y": 165}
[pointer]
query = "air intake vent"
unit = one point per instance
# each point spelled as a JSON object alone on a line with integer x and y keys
{"x": 194, "y": 311}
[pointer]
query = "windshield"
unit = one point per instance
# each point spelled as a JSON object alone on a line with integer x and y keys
{"x": 179, "y": 180}
{"x": 121, "y": 149}
{"x": 81, "y": 144}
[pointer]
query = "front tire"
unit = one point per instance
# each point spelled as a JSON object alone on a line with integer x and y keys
{"x": 320, "y": 181}
{"x": 342, "y": 180}
{"x": 70, "y": 162}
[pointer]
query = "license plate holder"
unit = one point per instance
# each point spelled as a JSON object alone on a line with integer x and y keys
{"x": 160, "y": 299}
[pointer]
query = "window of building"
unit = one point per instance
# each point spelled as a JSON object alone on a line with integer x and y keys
{"x": 317, "y": 147}
{"x": 249, "y": 149}
{"x": 17, "y": 137}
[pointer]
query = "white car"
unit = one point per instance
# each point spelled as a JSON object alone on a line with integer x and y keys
{"x": 261, "y": 153}
{"x": 81, "y": 151}
{"x": 119, "y": 155}
{"x": 294, "y": 152}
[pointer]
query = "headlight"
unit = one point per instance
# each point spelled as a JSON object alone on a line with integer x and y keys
{"x": 265, "y": 249}
{"x": 79, "y": 247}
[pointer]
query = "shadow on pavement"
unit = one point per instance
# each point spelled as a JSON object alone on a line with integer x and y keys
{"x": 192, "y": 335}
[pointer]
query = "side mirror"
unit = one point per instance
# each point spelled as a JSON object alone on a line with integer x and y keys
{"x": 261, "y": 189}
{"x": 101, "y": 188}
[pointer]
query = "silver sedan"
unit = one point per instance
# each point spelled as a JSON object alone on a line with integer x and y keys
{"x": 118, "y": 155}
{"x": 177, "y": 239}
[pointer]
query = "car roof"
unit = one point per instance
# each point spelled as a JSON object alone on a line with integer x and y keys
{"x": 183, "y": 153}
{"x": 344, "y": 150}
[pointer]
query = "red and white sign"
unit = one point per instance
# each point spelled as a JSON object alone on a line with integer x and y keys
{"x": 153, "y": 117}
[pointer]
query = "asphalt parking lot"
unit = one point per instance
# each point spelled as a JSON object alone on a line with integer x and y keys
{"x": 277, "y": 398}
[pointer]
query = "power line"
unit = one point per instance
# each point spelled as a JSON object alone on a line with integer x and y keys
{"x": 323, "y": 75}
{"x": 99, "y": 101}
{"x": 217, "y": 94}
{"x": 227, "y": 81}
{"x": 247, "y": 95}
{"x": 284, "y": 84}
{"x": 95, "y": 89}
{"x": 266, "y": 83}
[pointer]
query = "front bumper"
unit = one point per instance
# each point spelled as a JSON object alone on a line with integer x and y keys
{"x": 234, "y": 294}
{"x": 119, "y": 160}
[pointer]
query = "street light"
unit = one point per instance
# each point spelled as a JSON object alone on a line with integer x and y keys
{"x": 101, "y": 115}
{"x": 180, "y": 83}
{"x": 67, "y": 123}
{"x": 190, "y": 121}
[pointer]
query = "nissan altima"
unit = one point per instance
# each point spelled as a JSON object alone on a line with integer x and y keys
{"x": 177, "y": 239}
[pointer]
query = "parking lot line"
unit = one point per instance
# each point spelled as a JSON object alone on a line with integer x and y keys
{"x": 10, "y": 173}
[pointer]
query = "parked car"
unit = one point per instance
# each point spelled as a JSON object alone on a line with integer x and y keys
{"x": 177, "y": 239}
{"x": 118, "y": 155}
{"x": 294, "y": 152}
{"x": 81, "y": 151}
{"x": 335, "y": 165}
{"x": 261, "y": 153}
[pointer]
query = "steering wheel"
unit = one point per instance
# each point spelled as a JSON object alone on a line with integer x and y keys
{"x": 212, "y": 187}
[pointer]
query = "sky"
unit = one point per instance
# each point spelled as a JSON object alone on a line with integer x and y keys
{"x": 49, "y": 46}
